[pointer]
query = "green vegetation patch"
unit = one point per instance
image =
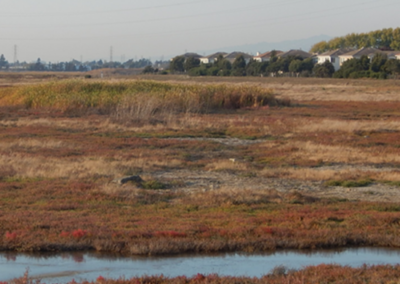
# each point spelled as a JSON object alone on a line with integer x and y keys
{"x": 154, "y": 184}
{"x": 349, "y": 183}
{"x": 394, "y": 183}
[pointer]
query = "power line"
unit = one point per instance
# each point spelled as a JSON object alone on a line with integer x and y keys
{"x": 207, "y": 14}
{"x": 105, "y": 11}
{"x": 276, "y": 20}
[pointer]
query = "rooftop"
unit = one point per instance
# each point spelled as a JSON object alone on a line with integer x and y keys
{"x": 235, "y": 54}
{"x": 296, "y": 52}
{"x": 215, "y": 55}
{"x": 268, "y": 54}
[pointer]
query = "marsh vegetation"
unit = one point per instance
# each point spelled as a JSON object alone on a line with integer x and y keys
{"x": 226, "y": 166}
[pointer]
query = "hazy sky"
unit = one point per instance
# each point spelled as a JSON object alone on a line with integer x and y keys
{"x": 60, "y": 30}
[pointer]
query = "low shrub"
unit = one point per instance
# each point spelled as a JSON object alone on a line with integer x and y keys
{"x": 78, "y": 234}
{"x": 153, "y": 184}
{"x": 349, "y": 183}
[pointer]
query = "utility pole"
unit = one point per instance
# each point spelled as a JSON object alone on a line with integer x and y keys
{"x": 111, "y": 54}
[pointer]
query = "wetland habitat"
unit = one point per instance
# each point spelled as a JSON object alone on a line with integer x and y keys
{"x": 221, "y": 165}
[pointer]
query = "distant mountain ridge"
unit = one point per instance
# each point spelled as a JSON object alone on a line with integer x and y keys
{"x": 303, "y": 44}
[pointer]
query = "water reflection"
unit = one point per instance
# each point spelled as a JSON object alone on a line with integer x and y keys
{"x": 63, "y": 267}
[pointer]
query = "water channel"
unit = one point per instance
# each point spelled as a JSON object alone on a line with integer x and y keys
{"x": 63, "y": 267}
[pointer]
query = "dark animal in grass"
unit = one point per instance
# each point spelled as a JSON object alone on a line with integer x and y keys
{"x": 123, "y": 180}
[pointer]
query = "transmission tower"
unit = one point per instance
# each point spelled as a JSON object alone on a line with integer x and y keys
{"x": 111, "y": 54}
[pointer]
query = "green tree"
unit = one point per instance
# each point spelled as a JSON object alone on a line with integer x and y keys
{"x": 3, "y": 62}
{"x": 239, "y": 66}
{"x": 56, "y": 67}
{"x": 191, "y": 63}
{"x": 324, "y": 70}
{"x": 198, "y": 71}
{"x": 296, "y": 66}
{"x": 263, "y": 67}
{"x": 253, "y": 68}
{"x": 385, "y": 38}
{"x": 396, "y": 39}
{"x": 363, "y": 40}
{"x": 308, "y": 64}
{"x": 378, "y": 61}
{"x": 285, "y": 62}
{"x": 177, "y": 64}
{"x": 320, "y": 47}
{"x": 273, "y": 56}
{"x": 70, "y": 66}
{"x": 148, "y": 70}
{"x": 392, "y": 66}
{"x": 223, "y": 63}
{"x": 273, "y": 67}
{"x": 38, "y": 66}
{"x": 213, "y": 71}
{"x": 352, "y": 40}
{"x": 354, "y": 68}
{"x": 365, "y": 62}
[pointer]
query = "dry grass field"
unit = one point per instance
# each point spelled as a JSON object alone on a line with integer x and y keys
{"x": 227, "y": 164}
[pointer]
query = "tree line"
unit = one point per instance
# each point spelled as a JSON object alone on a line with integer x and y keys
{"x": 75, "y": 65}
{"x": 3, "y": 62}
{"x": 240, "y": 67}
{"x": 383, "y": 39}
{"x": 380, "y": 67}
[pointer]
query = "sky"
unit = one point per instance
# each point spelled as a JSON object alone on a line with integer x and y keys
{"x": 60, "y": 30}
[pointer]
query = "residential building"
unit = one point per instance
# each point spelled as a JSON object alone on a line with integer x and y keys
{"x": 393, "y": 54}
{"x": 231, "y": 57}
{"x": 212, "y": 57}
{"x": 266, "y": 56}
{"x": 332, "y": 56}
{"x": 367, "y": 51}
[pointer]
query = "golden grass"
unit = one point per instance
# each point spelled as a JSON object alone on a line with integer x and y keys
{"x": 340, "y": 173}
{"x": 79, "y": 167}
{"x": 335, "y": 125}
{"x": 228, "y": 196}
{"x": 342, "y": 154}
{"x": 36, "y": 144}
{"x": 344, "y": 92}
{"x": 135, "y": 97}
{"x": 125, "y": 191}
{"x": 331, "y": 153}
{"x": 231, "y": 164}
{"x": 179, "y": 122}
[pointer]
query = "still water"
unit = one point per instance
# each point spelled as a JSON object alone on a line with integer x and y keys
{"x": 63, "y": 267}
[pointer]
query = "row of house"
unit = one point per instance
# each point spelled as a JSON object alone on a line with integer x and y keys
{"x": 247, "y": 57}
{"x": 336, "y": 57}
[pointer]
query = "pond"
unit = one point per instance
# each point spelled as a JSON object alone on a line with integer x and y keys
{"x": 64, "y": 267}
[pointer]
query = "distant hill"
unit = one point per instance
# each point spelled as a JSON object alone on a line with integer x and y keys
{"x": 303, "y": 44}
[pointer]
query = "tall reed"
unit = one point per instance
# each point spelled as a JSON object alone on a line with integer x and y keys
{"x": 137, "y": 98}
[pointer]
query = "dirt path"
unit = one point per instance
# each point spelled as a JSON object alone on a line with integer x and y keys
{"x": 202, "y": 181}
